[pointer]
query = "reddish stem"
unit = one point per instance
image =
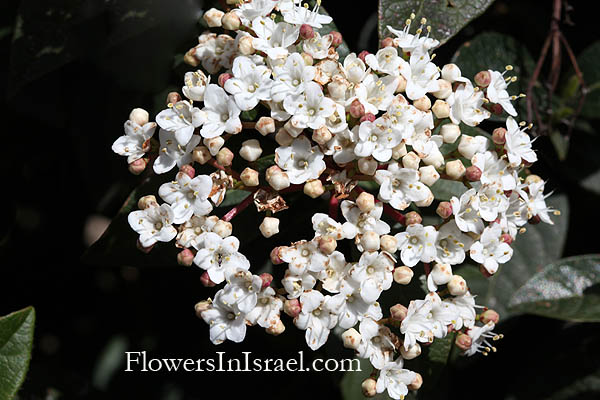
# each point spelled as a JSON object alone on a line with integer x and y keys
{"x": 395, "y": 214}
{"x": 239, "y": 208}
{"x": 427, "y": 268}
{"x": 333, "y": 206}
{"x": 231, "y": 172}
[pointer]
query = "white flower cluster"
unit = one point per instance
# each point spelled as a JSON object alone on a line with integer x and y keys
{"x": 368, "y": 118}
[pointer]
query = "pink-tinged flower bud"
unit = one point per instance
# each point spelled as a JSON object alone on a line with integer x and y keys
{"x": 308, "y": 59}
{"x": 143, "y": 249}
{"x": 496, "y": 109}
{"x": 205, "y": 280}
{"x": 445, "y": 89}
{"x": 201, "y": 155}
{"x": 473, "y": 173}
{"x": 231, "y": 21}
{"x": 265, "y": 125}
{"x": 188, "y": 170}
{"x": 367, "y": 165}
{"x": 411, "y": 160}
{"x": 484, "y": 271}
{"x": 185, "y": 257}
{"x": 370, "y": 241}
{"x": 336, "y": 38}
{"x": 413, "y": 351}
{"x": 369, "y": 387}
{"x": 351, "y": 339}
{"x": 365, "y": 202}
{"x": 428, "y": 175}
{"x": 499, "y": 136}
{"x": 463, "y": 341}
{"x": 322, "y": 135}
{"x": 223, "y": 228}
{"x": 214, "y": 144}
{"x": 401, "y": 84}
{"x": 266, "y": 279}
{"x": 416, "y": 383}
{"x": 357, "y": 110}
{"x": 269, "y": 227}
{"x": 398, "y": 312}
{"x": 306, "y": 32}
{"x": 313, "y": 188}
{"x": 441, "y": 109}
{"x": 455, "y": 169}
{"x": 147, "y": 201}
{"x": 202, "y": 306}
{"x": 483, "y": 78}
{"x": 535, "y": 220}
{"x": 450, "y": 132}
{"x": 389, "y": 243}
{"x": 363, "y": 54}
{"x": 225, "y": 157}
{"x": 173, "y": 97}
{"x": 277, "y": 329}
{"x": 387, "y": 42}
{"x": 213, "y": 17}
{"x": 250, "y": 177}
{"x": 292, "y": 307}
{"x": 489, "y": 315}
{"x": 138, "y": 166}
{"x": 224, "y": 77}
{"x": 250, "y": 150}
{"x": 274, "y": 255}
{"x": 367, "y": 117}
{"x": 327, "y": 244}
{"x": 283, "y": 138}
{"x": 278, "y": 179}
{"x": 444, "y": 209}
{"x": 457, "y": 285}
{"x": 413, "y": 217}
{"x": 403, "y": 275}
{"x": 532, "y": 179}
{"x": 423, "y": 103}
{"x": 139, "y": 116}
{"x": 190, "y": 59}
{"x": 245, "y": 46}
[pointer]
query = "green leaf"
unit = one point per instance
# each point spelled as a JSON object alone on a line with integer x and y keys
{"x": 539, "y": 246}
{"x": 233, "y": 197}
{"x": 561, "y": 290}
{"x": 444, "y": 189}
{"x": 588, "y": 62}
{"x": 264, "y": 162}
{"x": 16, "y": 340}
{"x": 446, "y": 18}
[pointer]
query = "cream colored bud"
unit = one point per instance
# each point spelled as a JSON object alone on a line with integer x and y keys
{"x": 370, "y": 241}
{"x": 401, "y": 84}
{"x": 265, "y": 125}
{"x": 455, "y": 169}
{"x": 245, "y": 46}
{"x": 213, "y": 17}
{"x": 283, "y": 138}
{"x": 444, "y": 209}
{"x": 427, "y": 201}
{"x": 413, "y": 351}
{"x": 147, "y": 201}
{"x": 413, "y": 217}
{"x": 423, "y": 103}
{"x": 202, "y": 306}
{"x": 337, "y": 87}
{"x": 277, "y": 178}
{"x": 532, "y": 179}
{"x": 250, "y": 177}
{"x": 399, "y": 151}
{"x": 292, "y": 128}
{"x": 398, "y": 312}
{"x": 469, "y": 145}
{"x": 441, "y": 273}
{"x": 435, "y": 158}
{"x": 367, "y": 165}
{"x": 231, "y": 21}
{"x": 322, "y": 135}
{"x": 313, "y": 188}
{"x": 327, "y": 244}
{"x": 451, "y": 72}
{"x": 428, "y": 175}
{"x": 403, "y": 275}
{"x": 351, "y": 339}
{"x": 441, "y": 109}
{"x": 416, "y": 383}
{"x": 250, "y": 150}
{"x": 445, "y": 89}
{"x": 269, "y": 227}
{"x": 365, "y": 202}
{"x": 411, "y": 160}
{"x": 190, "y": 59}
{"x": 224, "y": 157}
{"x": 201, "y": 154}
{"x": 139, "y": 116}
{"x": 450, "y": 132}
{"x": 223, "y": 228}
{"x": 457, "y": 286}
{"x": 369, "y": 387}
{"x": 277, "y": 329}
{"x": 389, "y": 243}
{"x": 214, "y": 144}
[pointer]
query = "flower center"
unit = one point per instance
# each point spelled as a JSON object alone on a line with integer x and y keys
{"x": 317, "y": 312}
{"x": 296, "y": 82}
{"x": 370, "y": 270}
{"x": 414, "y": 240}
{"x": 158, "y": 225}
{"x": 230, "y": 316}
{"x": 224, "y": 117}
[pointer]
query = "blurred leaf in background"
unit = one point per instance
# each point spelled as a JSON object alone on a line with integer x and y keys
{"x": 16, "y": 341}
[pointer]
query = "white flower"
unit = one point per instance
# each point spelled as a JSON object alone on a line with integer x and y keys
{"x": 277, "y": 111}
{"x": 195, "y": 85}
{"x": 497, "y": 93}
{"x": 490, "y": 250}
{"x": 375, "y": 343}
{"x": 225, "y": 320}
{"x": 337, "y": 121}
{"x": 310, "y": 108}
{"x": 187, "y": 196}
{"x": 136, "y": 141}
{"x": 214, "y": 52}
{"x": 316, "y": 317}
{"x": 385, "y": 61}
{"x": 324, "y": 225}
{"x": 494, "y": 170}
{"x": 395, "y": 379}
{"x": 291, "y": 78}
{"x": 335, "y": 271}
{"x": 443, "y": 314}
{"x": 516, "y": 214}
{"x": 535, "y": 201}
{"x": 377, "y": 138}
{"x": 465, "y": 214}
{"x": 465, "y": 306}
{"x": 466, "y": 105}
{"x": 416, "y": 244}
{"x": 354, "y": 68}
{"x": 304, "y": 256}
{"x": 374, "y": 274}
{"x": 267, "y": 309}
{"x": 274, "y": 38}
{"x": 400, "y": 186}
{"x": 222, "y": 113}
{"x": 153, "y": 224}
{"x": 440, "y": 274}
{"x": 410, "y": 43}
{"x": 518, "y": 144}
{"x": 190, "y": 233}
{"x": 479, "y": 339}
{"x": 317, "y": 46}
{"x": 295, "y": 285}
{"x": 352, "y": 308}
{"x": 421, "y": 75}
{"x": 417, "y": 326}
{"x": 375, "y": 93}
{"x": 341, "y": 146}
{"x": 300, "y": 161}
{"x": 299, "y": 15}
{"x": 451, "y": 244}
{"x": 181, "y": 118}
{"x": 249, "y": 11}
{"x": 242, "y": 290}
{"x": 220, "y": 257}
{"x": 490, "y": 201}
{"x": 172, "y": 153}
{"x": 250, "y": 83}
{"x": 359, "y": 222}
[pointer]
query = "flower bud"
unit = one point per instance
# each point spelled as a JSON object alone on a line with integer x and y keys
{"x": 277, "y": 178}
{"x": 224, "y": 157}
{"x": 367, "y": 117}
{"x": 265, "y": 125}
{"x": 423, "y": 103}
{"x": 138, "y": 166}
{"x": 274, "y": 256}
{"x": 250, "y": 150}
{"x": 367, "y": 165}
{"x": 277, "y": 329}
{"x": 463, "y": 341}
{"x": 365, "y": 202}
{"x": 428, "y": 175}
{"x": 357, "y": 110}
{"x": 139, "y": 116}
{"x": 266, "y": 279}
{"x": 363, "y": 54}
{"x": 292, "y": 307}
{"x": 469, "y": 145}
{"x": 147, "y": 201}
{"x": 213, "y": 17}
{"x": 451, "y": 72}
{"x": 483, "y": 78}
{"x": 401, "y": 84}
{"x": 231, "y": 21}
{"x": 444, "y": 209}
{"x": 534, "y": 220}
{"x": 369, "y": 387}
{"x": 441, "y": 109}
{"x": 473, "y": 173}
{"x": 313, "y": 188}
{"x": 202, "y": 306}
{"x": 489, "y": 315}
{"x": 499, "y": 136}
{"x": 185, "y": 257}
{"x": 292, "y": 128}
{"x": 389, "y": 244}
{"x": 245, "y": 46}
{"x": 250, "y": 177}
{"x": 327, "y": 244}
{"x": 370, "y": 241}
{"x": 435, "y": 158}
{"x": 188, "y": 170}
{"x": 173, "y": 97}
{"x": 214, "y": 144}
{"x": 201, "y": 155}
{"x": 441, "y": 273}
{"x": 283, "y": 138}
{"x": 399, "y": 151}
{"x": 445, "y": 89}
{"x": 336, "y": 38}
{"x": 411, "y": 160}
{"x": 205, "y": 280}
{"x": 398, "y": 312}
{"x": 455, "y": 169}
{"x": 403, "y": 275}
{"x": 223, "y": 228}
{"x": 532, "y": 179}
{"x": 413, "y": 351}
{"x": 322, "y": 135}
{"x": 224, "y": 77}
{"x": 190, "y": 59}
{"x": 457, "y": 285}
{"x": 450, "y": 132}
{"x": 269, "y": 227}
{"x": 427, "y": 201}
{"x": 308, "y": 60}
{"x": 387, "y": 42}
{"x": 351, "y": 339}
{"x": 506, "y": 238}
{"x": 416, "y": 383}
{"x": 306, "y": 32}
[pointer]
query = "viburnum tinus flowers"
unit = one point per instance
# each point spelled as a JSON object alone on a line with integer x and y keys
{"x": 360, "y": 133}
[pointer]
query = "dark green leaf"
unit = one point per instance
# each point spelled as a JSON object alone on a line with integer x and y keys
{"x": 562, "y": 290}
{"x": 588, "y": 62}
{"x": 445, "y": 17}
{"x": 16, "y": 339}
{"x": 233, "y": 197}
{"x": 444, "y": 189}
{"x": 264, "y": 162}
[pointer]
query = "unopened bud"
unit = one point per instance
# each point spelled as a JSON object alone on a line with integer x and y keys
{"x": 185, "y": 257}
{"x": 214, "y": 144}
{"x": 389, "y": 243}
{"x": 416, "y": 383}
{"x": 398, "y": 312}
{"x": 469, "y": 145}
{"x": 489, "y": 315}
{"x": 201, "y": 154}
{"x": 450, "y": 132}
{"x": 274, "y": 256}
{"x": 496, "y": 109}
{"x": 403, "y": 275}
{"x": 306, "y": 32}
{"x": 455, "y": 169}
{"x": 428, "y": 175}
{"x": 139, "y": 116}
{"x": 411, "y": 160}
{"x": 532, "y": 179}
{"x": 292, "y": 128}
{"x": 245, "y": 46}
{"x": 277, "y": 178}
{"x": 463, "y": 341}
{"x": 413, "y": 351}
{"x": 322, "y": 135}
{"x": 336, "y": 38}
{"x": 292, "y": 307}
{"x": 231, "y": 21}
{"x": 435, "y": 158}
{"x": 188, "y": 170}
{"x": 213, "y": 17}
{"x": 269, "y": 227}
{"x": 283, "y": 138}
{"x": 173, "y": 97}
{"x": 138, "y": 166}
{"x": 367, "y": 165}
{"x": 327, "y": 244}
{"x": 265, "y": 125}
{"x": 444, "y": 209}
{"x": 224, "y": 77}
{"x": 441, "y": 273}
{"x": 223, "y": 228}
{"x": 473, "y": 173}
{"x": 357, "y": 110}
{"x": 444, "y": 89}
{"x": 401, "y": 84}
{"x": 451, "y": 72}
{"x": 202, "y": 306}
{"x": 147, "y": 201}
{"x": 413, "y": 217}
{"x": 363, "y": 54}
{"x": 534, "y": 220}
{"x": 399, "y": 151}
{"x": 308, "y": 59}
{"x": 426, "y": 202}
{"x": 365, "y": 202}
{"x": 250, "y": 177}
{"x": 367, "y": 117}
{"x": 276, "y": 329}
{"x": 499, "y": 136}
{"x": 387, "y": 42}
{"x": 224, "y": 157}
{"x": 266, "y": 279}
{"x": 423, "y": 103}
{"x": 370, "y": 241}
{"x": 506, "y": 238}
{"x": 250, "y": 150}
{"x": 369, "y": 387}
{"x": 483, "y": 78}
{"x": 457, "y": 285}
{"x": 441, "y": 109}
{"x": 351, "y": 339}
{"x": 205, "y": 280}
{"x": 313, "y": 188}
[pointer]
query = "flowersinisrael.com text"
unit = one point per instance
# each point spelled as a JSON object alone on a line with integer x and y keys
{"x": 139, "y": 361}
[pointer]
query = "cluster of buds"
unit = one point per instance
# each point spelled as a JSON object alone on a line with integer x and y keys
{"x": 386, "y": 119}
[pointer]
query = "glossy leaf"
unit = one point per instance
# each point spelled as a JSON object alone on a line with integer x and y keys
{"x": 445, "y": 189}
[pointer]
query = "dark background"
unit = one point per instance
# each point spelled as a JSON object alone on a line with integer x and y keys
{"x": 61, "y": 114}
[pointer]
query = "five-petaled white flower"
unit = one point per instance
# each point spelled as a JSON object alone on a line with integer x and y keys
{"x": 317, "y": 46}
{"x": 267, "y": 309}
{"x": 250, "y": 83}
{"x": 518, "y": 145}
{"x": 310, "y": 108}
{"x": 400, "y": 186}
{"x": 417, "y": 326}
{"x": 385, "y": 61}
{"x": 195, "y": 85}
{"x": 301, "y": 161}
{"x": 358, "y": 222}
{"x": 416, "y": 244}
{"x": 465, "y": 214}
{"x": 421, "y": 75}
{"x": 222, "y": 113}
{"x": 490, "y": 250}
{"x": 316, "y": 317}
{"x": 181, "y": 118}
{"x": 136, "y": 141}
{"x": 226, "y": 321}
{"x": 373, "y": 273}
{"x": 375, "y": 343}
{"x": 291, "y": 78}
{"x": 187, "y": 196}
{"x": 274, "y": 38}
{"x": 466, "y": 105}
{"x": 497, "y": 93}
{"x": 220, "y": 257}
{"x": 153, "y": 224}
{"x": 451, "y": 244}
{"x": 377, "y": 138}
{"x": 172, "y": 153}
{"x": 395, "y": 379}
